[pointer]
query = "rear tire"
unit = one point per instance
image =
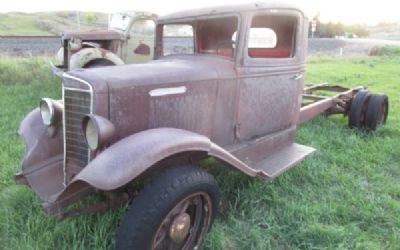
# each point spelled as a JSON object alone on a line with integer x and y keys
{"x": 175, "y": 211}
{"x": 357, "y": 109}
{"x": 377, "y": 111}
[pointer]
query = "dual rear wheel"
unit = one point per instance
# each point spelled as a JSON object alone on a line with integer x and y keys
{"x": 368, "y": 111}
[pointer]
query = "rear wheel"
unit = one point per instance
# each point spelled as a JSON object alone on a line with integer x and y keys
{"x": 174, "y": 212}
{"x": 377, "y": 111}
{"x": 357, "y": 109}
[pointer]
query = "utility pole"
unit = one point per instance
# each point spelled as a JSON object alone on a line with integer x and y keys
{"x": 313, "y": 27}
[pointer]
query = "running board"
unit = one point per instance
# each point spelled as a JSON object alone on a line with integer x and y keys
{"x": 282, "y": 160}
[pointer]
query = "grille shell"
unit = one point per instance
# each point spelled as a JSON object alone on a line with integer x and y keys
{"x": 77, "y": 104}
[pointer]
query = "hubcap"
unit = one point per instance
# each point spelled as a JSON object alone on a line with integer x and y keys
{"x": 185, "y": 226}
{"x": 180, "y": 228}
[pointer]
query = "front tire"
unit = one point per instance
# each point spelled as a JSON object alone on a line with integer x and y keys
{"x": 175, "y": 211}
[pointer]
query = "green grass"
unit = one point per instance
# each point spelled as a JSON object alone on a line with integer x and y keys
{"x": 48, "y": 23}
{"x": 20, "y": 24}
{"x": 346, "y": 197}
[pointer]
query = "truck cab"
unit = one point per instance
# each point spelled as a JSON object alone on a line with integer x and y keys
{"x": 128, "y": 39}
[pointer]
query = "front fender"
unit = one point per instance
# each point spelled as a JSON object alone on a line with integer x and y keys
{"x": 42, "y": 166}
{"x": 128, "y": 158}
{"x": 39, "y": 146}
{"x": 86, "y": 55}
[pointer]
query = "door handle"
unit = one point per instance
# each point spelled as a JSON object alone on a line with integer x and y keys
{"x": 297, "y": 77}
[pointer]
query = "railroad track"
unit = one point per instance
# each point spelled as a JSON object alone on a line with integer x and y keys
{"x": 27, "y": 37}
{"x": 28, "y": 46}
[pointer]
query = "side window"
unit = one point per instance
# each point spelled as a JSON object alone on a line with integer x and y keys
{"x": 178, "y": 39}
{"x": 272, "y": 36}
{"x": 143, "y": 28}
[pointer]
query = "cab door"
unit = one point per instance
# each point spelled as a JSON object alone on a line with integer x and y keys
{"x": 271, "y": 76}
{"x": 140, "y": 43}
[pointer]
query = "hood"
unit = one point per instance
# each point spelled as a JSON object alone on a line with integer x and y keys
{"x": 94, "y": 35}
{"x": 174, "y": 69}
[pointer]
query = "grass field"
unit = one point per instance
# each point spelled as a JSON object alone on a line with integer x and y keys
{"x": 346, "y": 197}
{"x": 47, "y": 23}
{"x": 20, "y": 24}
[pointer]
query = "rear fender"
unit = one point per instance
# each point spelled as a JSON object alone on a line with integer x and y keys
{"x": 86, "y": 55}
{"x": 131, "y": 156}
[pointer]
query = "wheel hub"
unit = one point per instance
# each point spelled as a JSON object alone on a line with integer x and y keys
{"x": 180, "y": 228}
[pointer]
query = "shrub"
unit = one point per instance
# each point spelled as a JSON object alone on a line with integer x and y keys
{"x": 91, "y": 17}
{"x": 388, "y": 50}
{"x": 25, "y": 71}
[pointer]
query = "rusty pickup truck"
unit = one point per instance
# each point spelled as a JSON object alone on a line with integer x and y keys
{"x": 128, "y": 39}
{"x": 235, "y": 93}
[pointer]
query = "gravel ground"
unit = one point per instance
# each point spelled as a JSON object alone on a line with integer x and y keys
{"x": 26, "y": 47}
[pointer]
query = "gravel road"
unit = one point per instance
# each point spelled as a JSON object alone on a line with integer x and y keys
{"x": 36, "y": 46}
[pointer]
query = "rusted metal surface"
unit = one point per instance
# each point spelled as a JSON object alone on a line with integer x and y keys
{"x": 337, "y": 104}
{"x": 43, "y": 161}
{"x": 240, "y": 110}
{"x": 227, "y": 9}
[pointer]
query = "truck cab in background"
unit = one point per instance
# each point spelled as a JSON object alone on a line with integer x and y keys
{"x": 128, "y": 39}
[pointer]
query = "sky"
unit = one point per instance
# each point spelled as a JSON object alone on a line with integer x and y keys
{"x": 345, "y": 11}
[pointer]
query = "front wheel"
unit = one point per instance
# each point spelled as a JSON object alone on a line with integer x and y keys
{"x": 174, "y": 212}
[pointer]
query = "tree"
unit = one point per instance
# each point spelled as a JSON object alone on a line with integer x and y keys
{"x": 91, "y": 17}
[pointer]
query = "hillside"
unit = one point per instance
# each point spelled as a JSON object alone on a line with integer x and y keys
{"x": 49, "y": 23}
{"x": 389, "y": 31}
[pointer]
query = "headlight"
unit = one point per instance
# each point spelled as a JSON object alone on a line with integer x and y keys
{"x": 91, "y": 135}
{"x": 51, "y": 111}
{"x": 98, "y": 131}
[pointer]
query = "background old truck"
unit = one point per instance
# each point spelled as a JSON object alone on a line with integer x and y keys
{"x": 136, "y": 132}
{"x": 129, "y": 39}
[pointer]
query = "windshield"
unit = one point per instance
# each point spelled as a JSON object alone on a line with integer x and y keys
{"x": 212, "y": 36}
{"x": 120, "y": 21}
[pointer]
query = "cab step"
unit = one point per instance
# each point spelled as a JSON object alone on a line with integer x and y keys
{"x": 282, "y": 160}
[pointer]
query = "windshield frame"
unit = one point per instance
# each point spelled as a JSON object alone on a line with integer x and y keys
{"x": 120, "y": 29}
{"x": 193, "y": 21}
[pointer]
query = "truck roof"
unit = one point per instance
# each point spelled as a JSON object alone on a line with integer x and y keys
{"x": 217, "y": 10}
{"x": 138, "y": 13}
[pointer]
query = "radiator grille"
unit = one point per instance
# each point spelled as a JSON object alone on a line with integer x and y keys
{"x": 77, "y": 104}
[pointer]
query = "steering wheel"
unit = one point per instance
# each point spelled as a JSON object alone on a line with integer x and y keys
{"x": 225, "y": 44}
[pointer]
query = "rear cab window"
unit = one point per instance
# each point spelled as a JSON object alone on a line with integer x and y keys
{"x": 272, "y": 36}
